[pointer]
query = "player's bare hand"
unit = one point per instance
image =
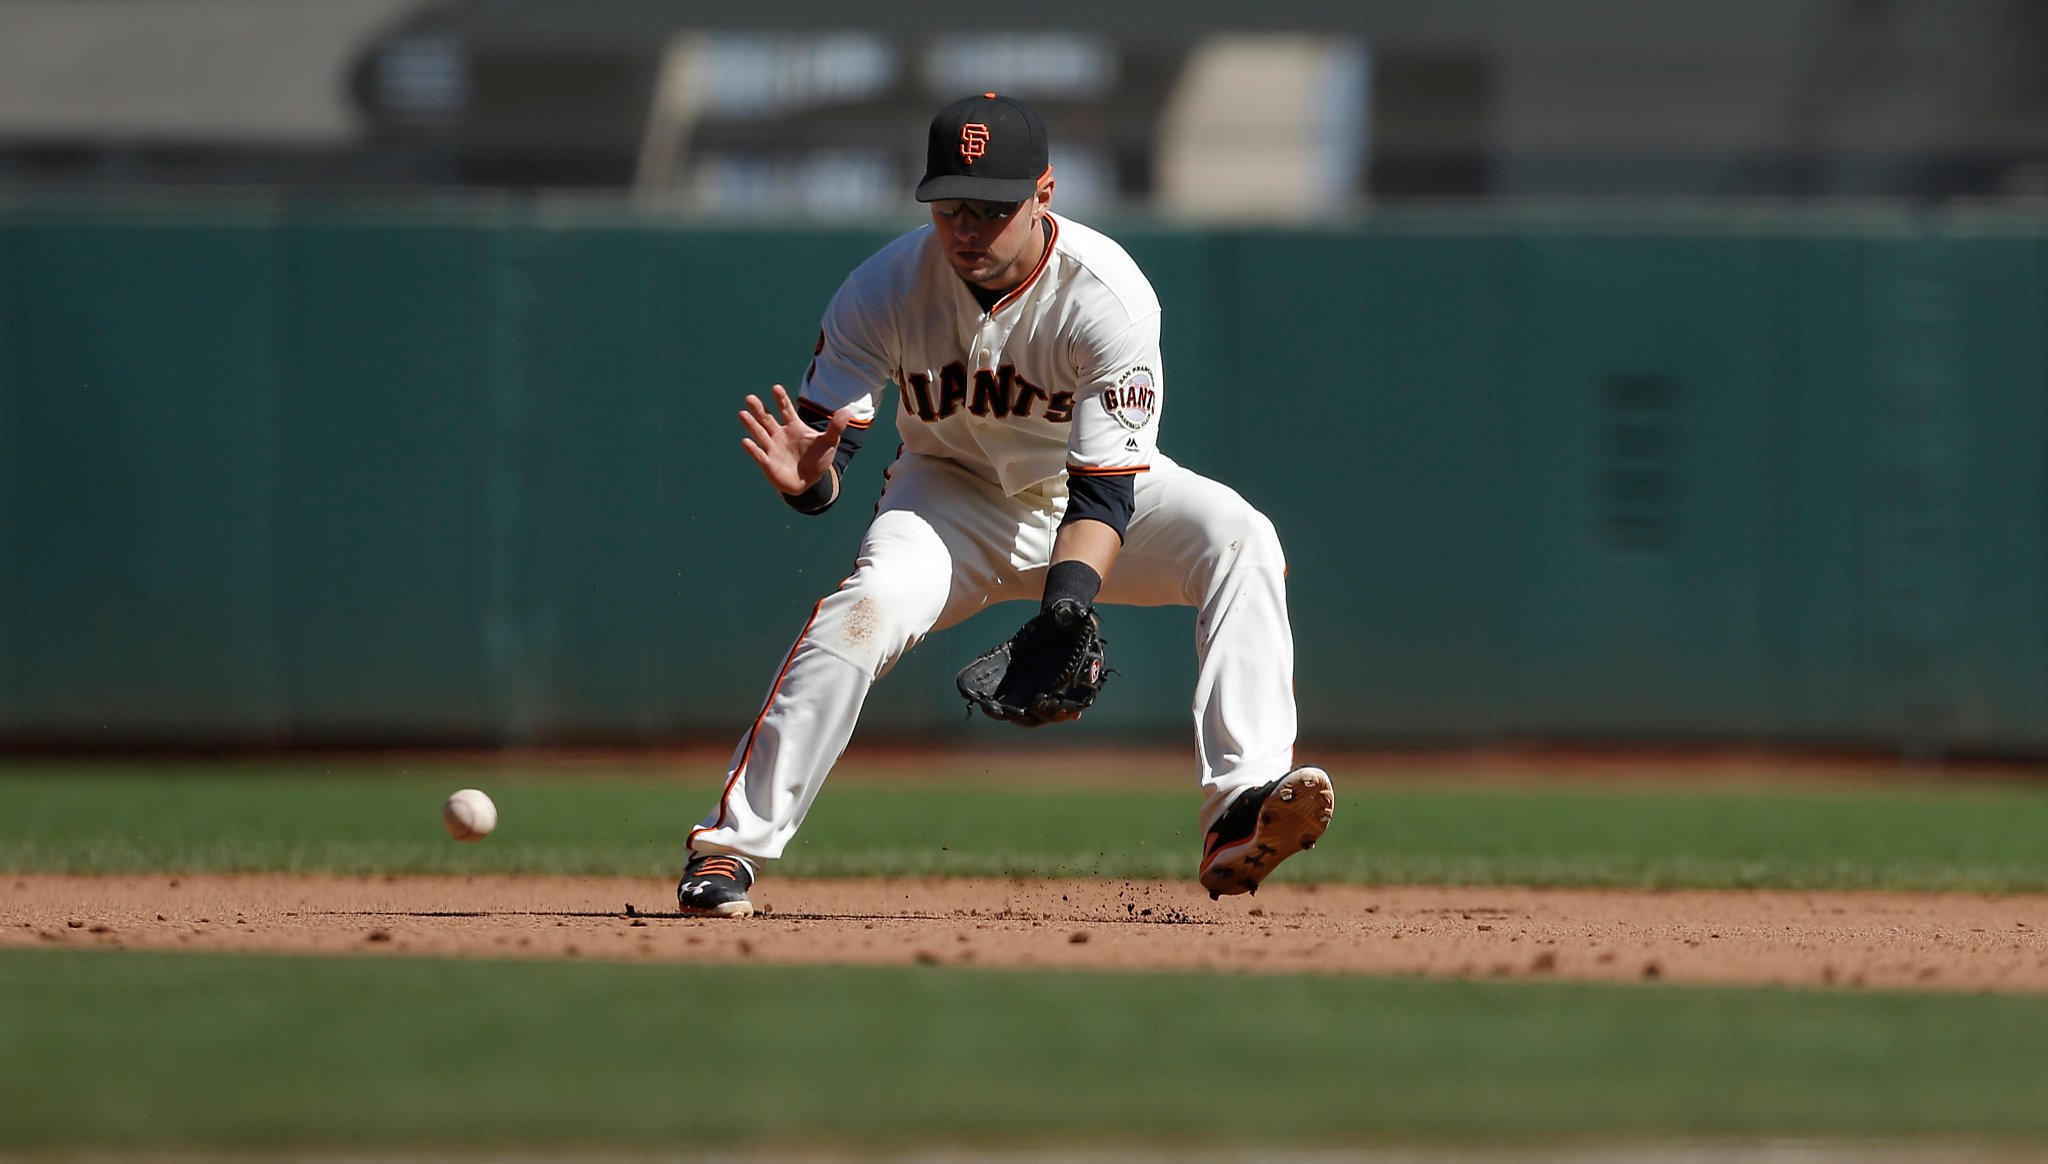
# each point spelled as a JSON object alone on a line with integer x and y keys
{"x": 792, "y": 455}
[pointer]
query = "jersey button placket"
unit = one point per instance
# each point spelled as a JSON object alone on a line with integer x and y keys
{"x": 982, "y": 355}
{"x": 990, "y": 341}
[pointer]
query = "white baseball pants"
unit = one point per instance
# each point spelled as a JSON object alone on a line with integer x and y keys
{"x": 944, "y": 545}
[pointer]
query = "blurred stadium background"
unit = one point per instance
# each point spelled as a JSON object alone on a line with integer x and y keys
{"x": 1615, "y": 372}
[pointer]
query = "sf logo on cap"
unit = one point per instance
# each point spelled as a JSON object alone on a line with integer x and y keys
{"x": 973, "y": 141}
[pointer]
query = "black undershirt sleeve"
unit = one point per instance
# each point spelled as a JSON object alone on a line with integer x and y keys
{"x": 1108, "y": 500}
{"x": 849, "y": 444}
{"x": 819, "y": 498}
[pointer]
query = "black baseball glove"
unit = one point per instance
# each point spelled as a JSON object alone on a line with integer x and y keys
{"x": 1049, "y": 671}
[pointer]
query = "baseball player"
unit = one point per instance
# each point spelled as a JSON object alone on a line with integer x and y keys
{"x": 1024, "y": 352}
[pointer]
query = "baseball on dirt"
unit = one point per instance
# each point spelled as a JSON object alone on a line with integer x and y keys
{"x": 469, "y": 815}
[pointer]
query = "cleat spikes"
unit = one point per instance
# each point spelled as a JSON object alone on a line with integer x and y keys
{"x": 1262, "y": 827}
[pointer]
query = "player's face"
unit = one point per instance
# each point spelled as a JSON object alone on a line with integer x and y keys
{"x": 989, "y": 243}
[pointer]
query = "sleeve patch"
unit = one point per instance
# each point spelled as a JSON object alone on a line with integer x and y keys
{"x": 1133, "y": 398}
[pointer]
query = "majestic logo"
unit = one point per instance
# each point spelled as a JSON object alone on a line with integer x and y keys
{"x": 973, "y": 141}
{"x": 1133, "y": 398}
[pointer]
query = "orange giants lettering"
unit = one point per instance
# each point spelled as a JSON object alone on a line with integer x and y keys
{"x": 918, "y": 385}
{"x": 952, "y": 388}
{"x": 1001, "y": 394}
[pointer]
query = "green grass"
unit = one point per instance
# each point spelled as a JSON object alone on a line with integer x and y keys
{"x": 369, "y": 817}
{"x": 162, "y": 1051}
{"x": 174, "y": 1050}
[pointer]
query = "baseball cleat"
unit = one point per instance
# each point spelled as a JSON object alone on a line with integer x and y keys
{"x": 715, "y": 885}
{"x": 1263, "y": 827}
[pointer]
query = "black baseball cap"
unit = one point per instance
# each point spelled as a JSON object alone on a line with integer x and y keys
{"x": 988, "y": 148}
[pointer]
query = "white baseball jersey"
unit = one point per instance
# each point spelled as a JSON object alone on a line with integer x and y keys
{"x": 1063, "y": 374}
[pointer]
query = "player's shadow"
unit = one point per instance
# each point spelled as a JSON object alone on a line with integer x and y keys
{"x": 629, "y": 914}
{"x": 1132, "y": 916}
{"x": 474, "y": 913}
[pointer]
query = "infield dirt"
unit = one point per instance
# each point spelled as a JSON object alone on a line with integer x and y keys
{"x": 1829, "y": 940}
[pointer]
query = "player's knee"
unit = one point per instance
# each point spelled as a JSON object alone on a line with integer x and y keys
{"x": 1242, "y": 536}
{"x": 1239, "y": 538}
{"x": 879, "y": 614}
{"x": 1263, "y": 538}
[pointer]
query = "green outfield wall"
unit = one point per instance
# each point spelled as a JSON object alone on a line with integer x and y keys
{"x": 282, "y": 475}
